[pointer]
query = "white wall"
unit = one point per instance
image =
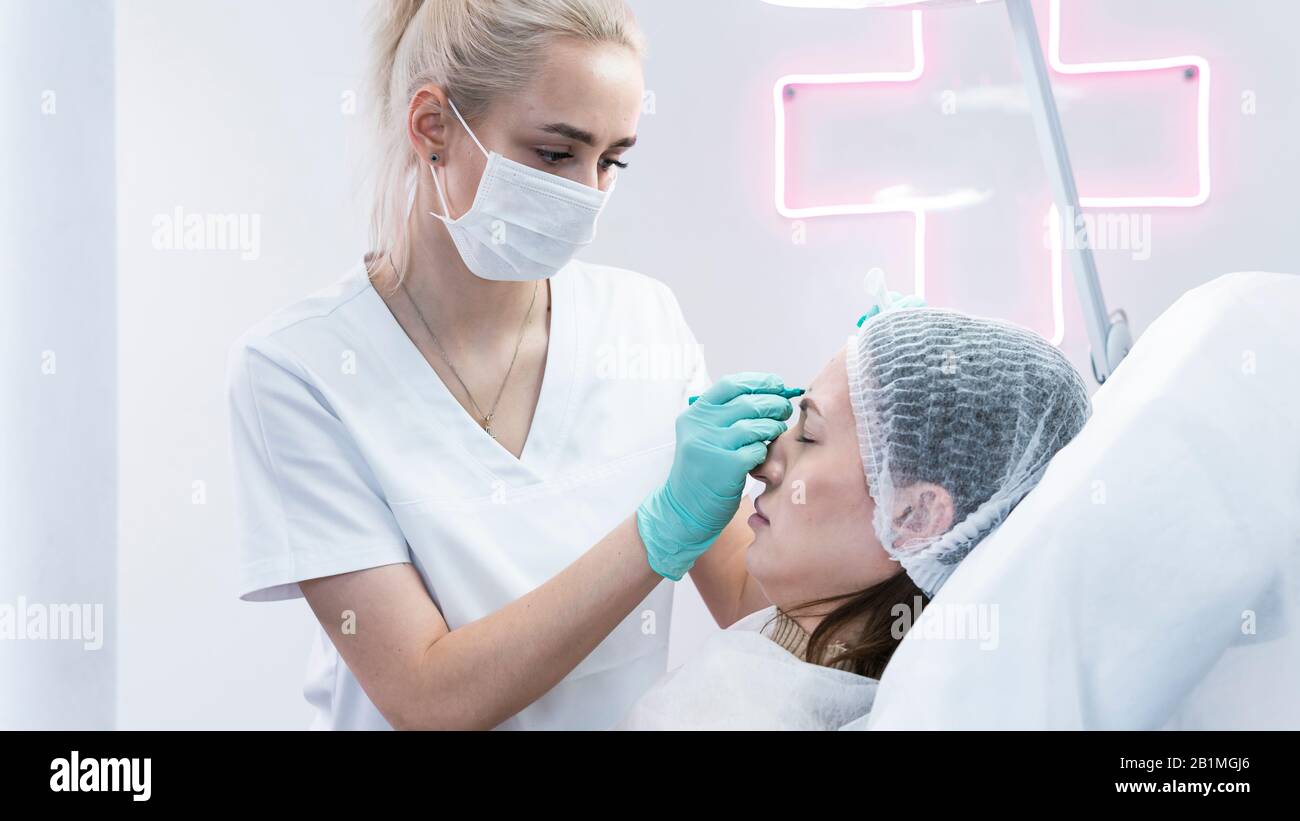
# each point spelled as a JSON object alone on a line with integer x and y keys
{"x": 58, "y": 502}
{"x": 235, "y": 107}
{"x": 223, "y": 109}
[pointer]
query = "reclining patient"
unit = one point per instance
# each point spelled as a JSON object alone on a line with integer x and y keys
{"x": 951, "y": 420}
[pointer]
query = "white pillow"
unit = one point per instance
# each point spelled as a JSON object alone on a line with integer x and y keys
{"x": 1152, "y": 579}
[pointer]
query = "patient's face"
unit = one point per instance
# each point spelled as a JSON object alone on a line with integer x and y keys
{"x": 813, "y": 536}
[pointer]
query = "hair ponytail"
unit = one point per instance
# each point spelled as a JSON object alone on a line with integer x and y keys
{"x": 391, "y": 19}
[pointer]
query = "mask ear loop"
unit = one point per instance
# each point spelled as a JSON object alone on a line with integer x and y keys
{"x": 437, "y": 186}
{"x": 433, "y": 169}
{"x": 456, "y": 111}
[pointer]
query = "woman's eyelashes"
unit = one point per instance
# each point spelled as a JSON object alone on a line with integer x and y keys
{"x": 803, "y": 434}
{"x": 557, "y": 157}
{"x": 553, "y": 157}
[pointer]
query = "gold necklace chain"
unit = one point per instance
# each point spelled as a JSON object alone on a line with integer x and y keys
{"x": 486, "y": 417}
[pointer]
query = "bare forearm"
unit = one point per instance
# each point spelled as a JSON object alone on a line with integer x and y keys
{"x": 721, "y": 574}
{"x": 484, "y": 672}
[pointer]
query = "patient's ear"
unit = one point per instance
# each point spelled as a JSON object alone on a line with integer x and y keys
{"x": 922, "y": 511}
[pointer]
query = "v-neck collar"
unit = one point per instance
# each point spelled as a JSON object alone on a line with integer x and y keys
{"x": 447, "y": 417}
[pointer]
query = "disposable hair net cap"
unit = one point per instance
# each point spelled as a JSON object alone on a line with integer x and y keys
{"x": 976, "y": 406}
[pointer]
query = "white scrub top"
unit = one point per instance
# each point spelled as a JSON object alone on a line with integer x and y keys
{"x": 349, "y": 452}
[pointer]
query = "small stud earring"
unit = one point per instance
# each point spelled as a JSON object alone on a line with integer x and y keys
{"x": 433, "y": 158}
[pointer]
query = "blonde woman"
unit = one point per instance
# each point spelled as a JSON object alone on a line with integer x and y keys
{"x": 435, "y": 451}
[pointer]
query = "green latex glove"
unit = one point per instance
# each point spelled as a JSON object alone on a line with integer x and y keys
{"x": 720, "y": 439}
{"x": 896, "y": 300}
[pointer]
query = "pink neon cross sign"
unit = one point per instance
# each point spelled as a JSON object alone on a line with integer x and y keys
{"x": 917, "y": 208}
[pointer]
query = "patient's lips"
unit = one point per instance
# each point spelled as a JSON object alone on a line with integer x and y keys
{"x": 757, "y": 519}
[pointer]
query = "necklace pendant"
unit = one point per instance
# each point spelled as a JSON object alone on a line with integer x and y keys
{"x": 487, "y": 426}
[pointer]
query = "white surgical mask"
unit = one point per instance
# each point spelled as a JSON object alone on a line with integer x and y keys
{"x": 525, "y": 224}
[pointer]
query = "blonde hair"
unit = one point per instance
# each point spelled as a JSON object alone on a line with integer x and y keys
{"x": 476, "y": 50}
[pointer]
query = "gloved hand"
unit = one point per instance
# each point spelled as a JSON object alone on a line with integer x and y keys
{"x": 896, "y": 300}
{"x": 720, "y": 438}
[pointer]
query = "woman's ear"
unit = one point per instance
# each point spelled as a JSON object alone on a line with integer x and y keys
{"x": 426, "y": 121}
{"x": 922, "y": 512}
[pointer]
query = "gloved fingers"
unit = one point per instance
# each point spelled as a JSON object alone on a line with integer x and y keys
{"x": 751, "y": 456}
{"x": 746, "y": 382}
{"x": 748, "y": 406}
{"x": 748, "y": 431}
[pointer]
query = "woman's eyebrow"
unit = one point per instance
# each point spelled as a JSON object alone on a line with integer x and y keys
{"x": 575, "y": 133}
{"x": 806, "y": 404}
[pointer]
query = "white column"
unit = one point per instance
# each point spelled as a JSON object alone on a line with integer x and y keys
{"x": 58, "y": 393}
